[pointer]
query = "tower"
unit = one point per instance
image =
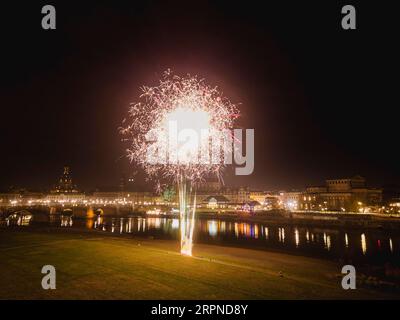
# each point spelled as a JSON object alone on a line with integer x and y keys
{"x": 65, "y": 182}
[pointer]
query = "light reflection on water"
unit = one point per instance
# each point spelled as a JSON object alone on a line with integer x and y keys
{"x": 374, "y": 245}
{"x": 327, "y": 241}
{"x": 296, "y": 237}
{"x": 281, "y": 234}
{"x": 363, "y": 244}
{"x": 66, "y": 221}
{"x": 212, "y": 228}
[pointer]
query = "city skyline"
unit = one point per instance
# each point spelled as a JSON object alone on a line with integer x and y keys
{"x": 346, "y": 194}
{"x": 128, "y": 183}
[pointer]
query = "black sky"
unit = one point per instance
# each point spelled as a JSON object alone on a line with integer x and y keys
{"x": 322, "y": 100}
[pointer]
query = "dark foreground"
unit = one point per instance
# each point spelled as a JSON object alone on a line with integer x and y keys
{"x": 92, "y": 265}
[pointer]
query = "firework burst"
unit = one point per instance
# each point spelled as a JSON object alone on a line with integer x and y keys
{"x": 177, "y": 132}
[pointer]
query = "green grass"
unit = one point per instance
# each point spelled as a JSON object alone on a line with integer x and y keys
{"x": 98, "y": 266}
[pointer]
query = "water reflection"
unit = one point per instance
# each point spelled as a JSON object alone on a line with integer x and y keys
{"x": 66, "y": 221}
{"x": 129, "y": 226}
{"x": 363, "y": 244}
{"x": 236, "y": 230}
{"x": 281, "y": 234}
{"x": 153, "y": 223}
{"x": 98, "y": 223}
{"x": 22, "y": 218}
{"x": 175, "y": 223}
{"x": 90, "y": 223}
{"x": 296, "y": 237}
{"x": 327, "y": 241}
{"x": 142, "y": 224}
{"x": 212, "y": 228}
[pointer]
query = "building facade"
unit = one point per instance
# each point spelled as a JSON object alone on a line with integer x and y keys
{"x": 65, "y": 190}
{"x": 349, "y": 194}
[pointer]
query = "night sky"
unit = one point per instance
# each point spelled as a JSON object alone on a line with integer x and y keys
{"x": 321, "y": 99}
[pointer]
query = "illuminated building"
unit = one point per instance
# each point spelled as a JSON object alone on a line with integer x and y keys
{"x": 394, "y": 206}
{"x": 234, "y": 195}
{"x": 290, "y": 200}
{"x": 258, "y": 196}
{"x": 349, "y": 194}
{"x": 65, "y": 184}
{"x": 272, "y": 201}
{"x": 132, "y": 197}
{"x": 252, "y": 206}
{"x": 19, "y": 197}
{"x": 65, "y": 191}
{"x": 269, "y": 200}
{"x": 216, "y": 202}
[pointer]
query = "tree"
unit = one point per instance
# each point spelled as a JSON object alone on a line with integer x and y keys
{"x": 169, "y": 194}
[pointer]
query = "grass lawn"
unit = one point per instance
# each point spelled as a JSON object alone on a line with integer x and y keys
{"x": 92, "y": 265}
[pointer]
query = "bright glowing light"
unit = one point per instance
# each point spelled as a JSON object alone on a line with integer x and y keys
{"x": 155, "y": 212}
{"x": 188, "y": 118}
{"x": 161, "y": 126}
{"x": 175, "y": 223}
{"x": 181, "y": 131}
{"x": 292, "y": 205}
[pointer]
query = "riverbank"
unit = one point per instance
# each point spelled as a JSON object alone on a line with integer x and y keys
{"x": 91, "y": 265}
